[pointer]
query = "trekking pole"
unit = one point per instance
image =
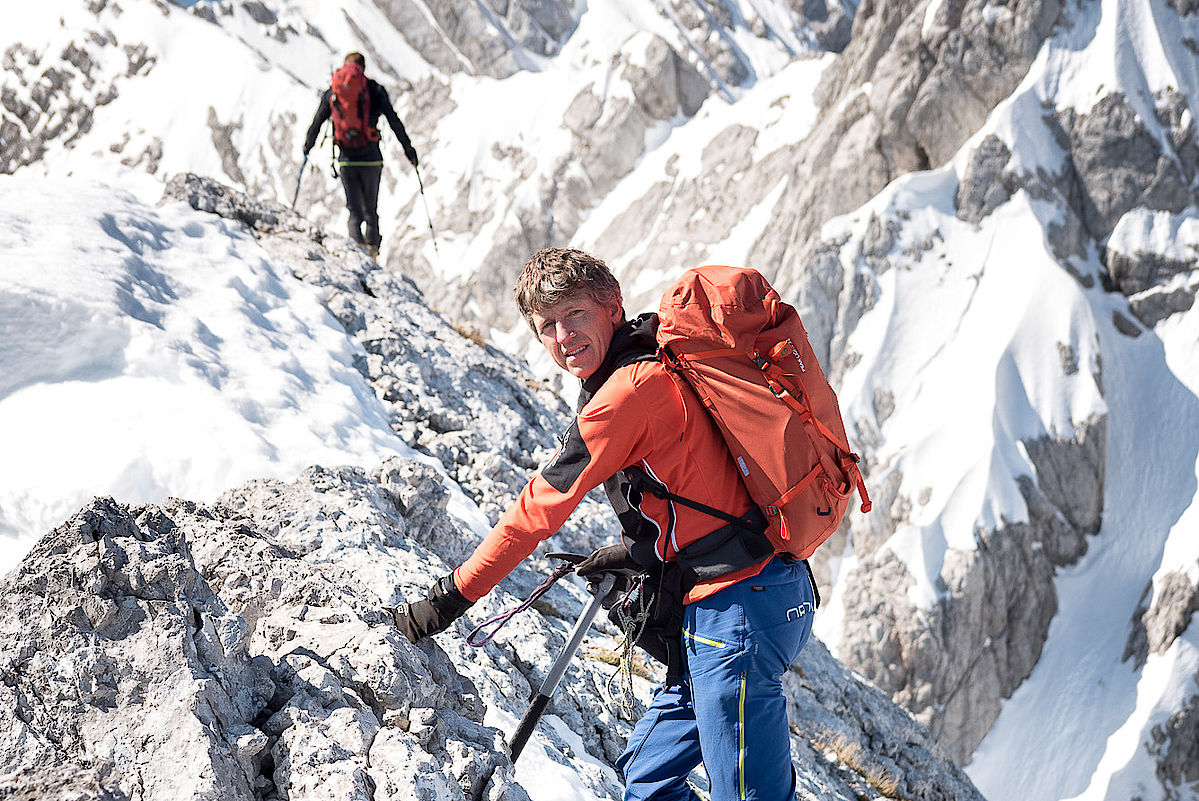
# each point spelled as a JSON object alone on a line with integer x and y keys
{"x": 425, "y": 200}
{"x": 296, "y": 196}
{"x": 542, "y": 699}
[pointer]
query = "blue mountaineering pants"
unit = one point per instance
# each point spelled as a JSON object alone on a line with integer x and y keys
{"x": 729, "y": 710}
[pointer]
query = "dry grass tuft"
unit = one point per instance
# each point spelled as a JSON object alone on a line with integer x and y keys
{"x": 837, "y": 745}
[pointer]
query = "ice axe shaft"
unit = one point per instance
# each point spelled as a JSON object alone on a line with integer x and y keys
{"x": 542, "y": 699}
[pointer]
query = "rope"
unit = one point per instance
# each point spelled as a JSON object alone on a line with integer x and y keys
{"x": 631, "y": 613}
{"x": 503, "y": 617}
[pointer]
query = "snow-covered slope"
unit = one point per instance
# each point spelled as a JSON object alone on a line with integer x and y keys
{"x": 148, "y": 352}
{"x": 985, "y": 212}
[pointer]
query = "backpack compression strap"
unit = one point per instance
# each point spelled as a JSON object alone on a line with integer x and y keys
{"x": 730, "y": 548}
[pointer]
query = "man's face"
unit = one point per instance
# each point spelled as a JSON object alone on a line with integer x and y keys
{"x": 576, "y": 331}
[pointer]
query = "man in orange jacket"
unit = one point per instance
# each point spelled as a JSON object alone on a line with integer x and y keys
{"x": 729, "y": 615}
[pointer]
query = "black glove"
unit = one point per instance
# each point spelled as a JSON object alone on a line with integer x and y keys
{"x": 433, "y": 614}
{"x": 411, "y": 154}
{"x": 613, "y": 560}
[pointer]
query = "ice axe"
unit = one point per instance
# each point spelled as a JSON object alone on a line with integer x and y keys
{"x": 542, "y": 699}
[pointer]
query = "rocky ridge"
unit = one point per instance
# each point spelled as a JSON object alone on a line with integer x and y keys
{"x": 239, "y": 650}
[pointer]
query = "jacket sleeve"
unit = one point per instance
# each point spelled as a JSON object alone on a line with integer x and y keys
{"x": 323, "y": 112}
{"x": 612, "y": 432}
{"x": 380, "y": 96}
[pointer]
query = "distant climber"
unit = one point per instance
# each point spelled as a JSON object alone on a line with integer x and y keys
{"x": 728, "y": 616}
{"x": 354, "y": 103}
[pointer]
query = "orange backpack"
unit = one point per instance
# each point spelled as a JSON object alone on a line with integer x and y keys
{"x": 746, "y": 354}
{"x": 350, "y": 104}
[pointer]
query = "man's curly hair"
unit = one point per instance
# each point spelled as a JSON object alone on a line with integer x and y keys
{"x": 554, "y": 274}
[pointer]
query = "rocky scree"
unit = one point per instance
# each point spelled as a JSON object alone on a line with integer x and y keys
{"x": 241, "y": 650}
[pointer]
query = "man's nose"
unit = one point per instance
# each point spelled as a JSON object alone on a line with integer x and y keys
{"x": 564, "y": 331}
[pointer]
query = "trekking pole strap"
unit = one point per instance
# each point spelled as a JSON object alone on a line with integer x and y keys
{"x": 497, "y": 622}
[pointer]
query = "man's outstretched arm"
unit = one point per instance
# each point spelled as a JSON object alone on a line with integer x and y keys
{"x": 397, "y": 127}
{"x": 323, "y": 112}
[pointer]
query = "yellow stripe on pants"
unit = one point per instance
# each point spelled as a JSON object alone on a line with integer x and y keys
{"x": 741, "y": 726}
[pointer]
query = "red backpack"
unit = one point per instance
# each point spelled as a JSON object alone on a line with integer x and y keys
{"x": 351, "y": 106}
{"x": 746, "y": 354}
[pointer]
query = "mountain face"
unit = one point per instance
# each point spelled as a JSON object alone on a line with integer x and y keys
{"x": 240, "y": 648}
{"x": 984, "y": 212}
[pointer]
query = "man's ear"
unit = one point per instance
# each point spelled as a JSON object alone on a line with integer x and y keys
{"x": 615, "y": 310}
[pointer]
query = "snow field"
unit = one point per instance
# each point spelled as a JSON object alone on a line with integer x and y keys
{"x": 157, "y": 352}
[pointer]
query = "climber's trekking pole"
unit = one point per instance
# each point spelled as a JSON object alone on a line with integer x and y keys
{"x": 299, "y": 177}
{"x": 425, "y": 200}
{"x": 542, "y": 699}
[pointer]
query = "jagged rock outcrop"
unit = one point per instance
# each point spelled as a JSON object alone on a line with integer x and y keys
{"x": 53, "y": 96}
{"x": 903, "y": 96}
{"x": 291, "y": 685}
{"x": 1157, "y": 624}
{"x": 483, "y": 39}
{"x": 1120, "y": 165}
{"x": 1175, "y": 747}
{"x": 1152, "y": 259}
{"x": 986, "y": 184}
{"x": 240, "y": 650}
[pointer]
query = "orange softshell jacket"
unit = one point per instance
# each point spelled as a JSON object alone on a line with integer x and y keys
{"x": 640, "y": 416}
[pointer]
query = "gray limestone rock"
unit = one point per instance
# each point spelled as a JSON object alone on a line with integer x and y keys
{"x": 210, "y": 651}
{"x": 986, "y": 185}
{"x": 134, "y": 670}
{"x": 651, "y": 85}
{"x": 1153, "y": 306}
{"x": 1156, "y": 625}
{"x": 830, "y": 22}
{"x": 484, "y": 38}
{"x": 1133, "y": 273}
{"x": 242, "y": 649}
{"x": 930, "y": 87}
{"x": 486, "y": 419}
{"x": 1120, "y": 165}
{"x": 853, "y": 725}
{"x": 1175, "y": 747}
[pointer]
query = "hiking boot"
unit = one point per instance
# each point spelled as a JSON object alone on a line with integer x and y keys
{"x": 371, "y": 250}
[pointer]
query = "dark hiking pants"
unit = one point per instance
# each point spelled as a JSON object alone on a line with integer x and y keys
{"x": 361, "y": 183}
